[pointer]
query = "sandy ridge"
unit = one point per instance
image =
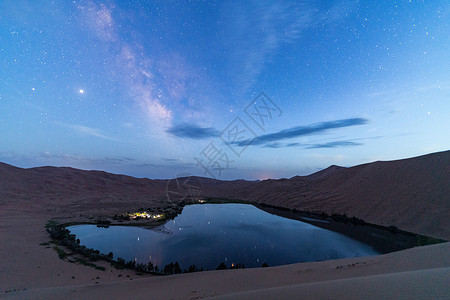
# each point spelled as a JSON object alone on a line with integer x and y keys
{"x": 412, "y": 194}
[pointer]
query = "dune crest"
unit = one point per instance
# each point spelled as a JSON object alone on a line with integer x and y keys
{"x": 412, "y": 194}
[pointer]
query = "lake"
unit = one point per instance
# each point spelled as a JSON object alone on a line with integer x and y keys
{"x": 209, "y": 234}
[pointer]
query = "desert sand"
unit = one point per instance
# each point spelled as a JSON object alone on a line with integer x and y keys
{"x": 412, "y": 194}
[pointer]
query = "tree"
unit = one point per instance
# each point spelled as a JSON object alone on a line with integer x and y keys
{"x": 150, "y": 267}
{"x": 168, "y": 269}
{"x": 140, "y": 267}
{"x": 176, "y": 268}
{"x": 121, "y": 261}
{"x": 192, "y": 268}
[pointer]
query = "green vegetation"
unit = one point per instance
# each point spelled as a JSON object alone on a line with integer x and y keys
{"x": 223, "y": 201}
{"x": 237, "y": 266}
{"x": 423, "y": 240}
{"x": 50, "y": 224}
{"x": 62, "y": 236}
{"x": 172, "y": 268}
{"x": 393, "y": 229}
{"x": 191, "y": 269}
{"x": 61, "y": 253}
{"x": 223, "y": 266}
{"x": 88, "y": 264}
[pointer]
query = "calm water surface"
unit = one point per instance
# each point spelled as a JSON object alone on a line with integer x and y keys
{"x": 208, "y": 234}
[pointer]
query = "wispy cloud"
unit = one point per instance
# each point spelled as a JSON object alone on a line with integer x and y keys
{"x": 171, "y": 159}
{"x": 301, "y": 131}
{"x": 335, "y": 144}
{"x": 277, "y": 145}
{"x": 88, "y": 131}
{"x": 193, "y": 131}
{"x": 74, "y": 159}
{"x": 257, "y": 30}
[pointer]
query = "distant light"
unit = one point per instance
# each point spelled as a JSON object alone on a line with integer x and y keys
{"x": 33, "y": 89}
{"x": 81, "y": 91}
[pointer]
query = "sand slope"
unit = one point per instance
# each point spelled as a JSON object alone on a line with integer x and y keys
{"x": 412, "y": 194}
{"x": 410, "y": 274}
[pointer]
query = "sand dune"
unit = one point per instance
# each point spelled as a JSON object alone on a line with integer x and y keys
{"x": 409, "y": 274}
{"x": 412, "y": 194}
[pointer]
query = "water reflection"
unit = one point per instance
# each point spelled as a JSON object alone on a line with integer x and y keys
{"x": 208, "y": 234}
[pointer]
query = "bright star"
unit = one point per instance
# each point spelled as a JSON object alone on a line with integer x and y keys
{"x": 81, "y": 91}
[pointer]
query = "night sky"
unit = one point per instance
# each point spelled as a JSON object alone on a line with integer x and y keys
{"x": 253, "y": 90}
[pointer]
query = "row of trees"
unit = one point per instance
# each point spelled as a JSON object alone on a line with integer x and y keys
{"x": 223, "y": 266}
{"x": 64, "y": 237}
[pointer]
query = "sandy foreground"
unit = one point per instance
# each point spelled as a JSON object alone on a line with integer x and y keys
{"x": 29, "y": 269}
{"x": 32, "y": 271}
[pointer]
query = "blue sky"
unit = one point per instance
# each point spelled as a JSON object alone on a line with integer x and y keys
{"x": 253, "y": 90}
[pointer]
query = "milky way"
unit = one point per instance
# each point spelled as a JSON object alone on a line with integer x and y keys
{"x": 222, "y": 89}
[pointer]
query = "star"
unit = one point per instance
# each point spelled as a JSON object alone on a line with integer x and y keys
{"x": 81, "y": 91}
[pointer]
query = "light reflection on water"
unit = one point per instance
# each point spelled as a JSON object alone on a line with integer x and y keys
{"x": 208, "y": 234}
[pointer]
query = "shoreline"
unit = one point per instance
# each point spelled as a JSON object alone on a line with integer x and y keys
{"x": 29, "y": 198}
{"x": 381, "y": 238}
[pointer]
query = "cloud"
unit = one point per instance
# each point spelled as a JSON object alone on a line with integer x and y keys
{"x": 335, "y": 144}
{"x": 74, "y": 159}
{"x": 293, "y": 144}
{"x": 88, "y": 131}
{"x": 193, "y": 131}
{"x": 257, "y": 30}
{"x": 301, "y": 131}
{"x": 274, "y": 145}
{"x": 281, "y": 145}
{"x": 171, "y": 159}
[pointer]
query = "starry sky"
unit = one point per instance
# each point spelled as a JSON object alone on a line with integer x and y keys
{"x": 224, "y": 89}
